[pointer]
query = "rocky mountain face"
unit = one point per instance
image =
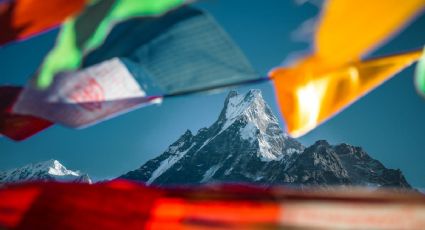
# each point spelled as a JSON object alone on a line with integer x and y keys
{"x": 325, "y": 164}
{"x": 246, "y": 145}
{"x": 51, "y": 170}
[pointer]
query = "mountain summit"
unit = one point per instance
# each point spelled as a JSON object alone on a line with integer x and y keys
{"x": 247, "y": 145}
{"x": 51, "y": 170}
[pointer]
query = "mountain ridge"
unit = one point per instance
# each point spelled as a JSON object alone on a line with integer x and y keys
{"x": 50, "y": 170}
{"x": 246, "y": 145}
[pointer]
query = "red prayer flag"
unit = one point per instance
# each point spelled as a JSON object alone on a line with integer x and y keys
{"x": 128, "y": 205}
{"x": 15, "y": 126}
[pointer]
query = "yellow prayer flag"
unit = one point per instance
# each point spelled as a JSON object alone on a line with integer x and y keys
{"x": 308, "y": 95}
{"x": 350, "y": 28}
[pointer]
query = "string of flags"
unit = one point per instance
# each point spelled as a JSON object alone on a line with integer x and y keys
{"x": 113, "y": 56}
{"x": 334, "y": 76}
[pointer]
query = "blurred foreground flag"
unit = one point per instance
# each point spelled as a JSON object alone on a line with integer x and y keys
{"x": 420, "y": 75}
{"x": 350, "y": 29}
{"x": 310, "y": 98}
{"x": 333, "y": 77}
{"x": 84, "y": 97}
{"x": 141, "y": 60}
{"x": 183, "y": 50}
{"x": 20, "y": 19}
{"x": 88, "y": 30}
{"x": 126, "y": 205}
{"x": 14, "y": 126}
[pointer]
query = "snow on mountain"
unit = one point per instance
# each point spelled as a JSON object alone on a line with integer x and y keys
{"x": 51, "y": 170}
{"x": 166, "y": 164}
{"x": 247, "y": 145}
{"x": 258, "y": 124}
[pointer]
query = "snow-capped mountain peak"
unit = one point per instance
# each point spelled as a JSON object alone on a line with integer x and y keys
{"x": 251, "y": 105}
{"x": 51, "y": 170}
{"x": 257, "y": 123}
{"x": 55, "y": 168}
{"x": 246, "y": 131}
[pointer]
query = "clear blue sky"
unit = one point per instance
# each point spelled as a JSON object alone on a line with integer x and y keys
{"x": 389, "y": 123}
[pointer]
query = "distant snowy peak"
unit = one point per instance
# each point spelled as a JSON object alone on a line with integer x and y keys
{"x": 51, "y": 170}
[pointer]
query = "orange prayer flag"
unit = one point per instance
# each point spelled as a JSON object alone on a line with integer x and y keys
{"x": 349, "y": 29}
{"x": 308, "y": 95}
{"x": 20, "y": 19}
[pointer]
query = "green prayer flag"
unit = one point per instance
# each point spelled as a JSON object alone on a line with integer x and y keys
{"x": 420, "y": 75}
{"x": 81, "y": 34}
